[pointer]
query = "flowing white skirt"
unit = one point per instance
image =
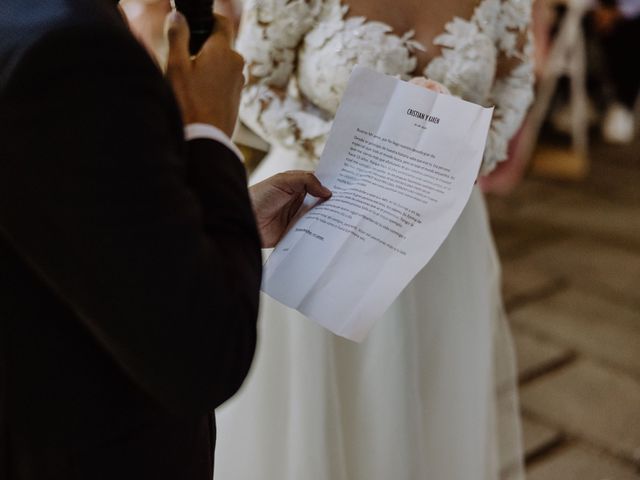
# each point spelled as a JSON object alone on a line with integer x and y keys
{"x": 428, "y": 395}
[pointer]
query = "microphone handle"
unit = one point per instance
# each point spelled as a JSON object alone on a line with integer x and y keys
{"x": 199, "y": 15}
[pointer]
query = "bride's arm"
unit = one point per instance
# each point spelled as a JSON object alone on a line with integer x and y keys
{"x": 512, "y": 92}
{"x": 270, "y": 37}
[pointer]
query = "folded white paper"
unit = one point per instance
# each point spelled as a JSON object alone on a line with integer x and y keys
{"x": 401, "y": 162}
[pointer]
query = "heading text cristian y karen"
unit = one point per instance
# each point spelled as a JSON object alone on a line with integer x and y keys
{"x": 423, "y": 116}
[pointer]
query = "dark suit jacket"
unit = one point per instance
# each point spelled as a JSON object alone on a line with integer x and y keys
{"x": 129, "y": 258}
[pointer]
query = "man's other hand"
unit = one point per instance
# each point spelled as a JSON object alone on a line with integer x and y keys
{"x": 208, "y": 85}
{"x": 276, "y": 200}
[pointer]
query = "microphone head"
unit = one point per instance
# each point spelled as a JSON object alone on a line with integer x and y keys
{"x": 199, "y": 15}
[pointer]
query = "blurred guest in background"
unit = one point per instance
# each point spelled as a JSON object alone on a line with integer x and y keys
{"x": 617, "y": 22}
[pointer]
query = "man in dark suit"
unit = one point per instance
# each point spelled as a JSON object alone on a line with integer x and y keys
{"x": 129, "y": 258}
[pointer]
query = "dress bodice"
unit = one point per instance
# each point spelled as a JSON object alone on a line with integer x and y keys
{"x": 335, "y": 44}
{"x": 300, "y": 54}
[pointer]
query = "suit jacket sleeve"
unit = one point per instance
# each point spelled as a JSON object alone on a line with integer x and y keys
{"x": 150, "y": 240}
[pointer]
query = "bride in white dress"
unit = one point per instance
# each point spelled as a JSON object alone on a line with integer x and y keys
{"x": 430, "y": 393}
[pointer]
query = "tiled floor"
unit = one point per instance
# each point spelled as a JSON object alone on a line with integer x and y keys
{"x": 571, "y": 256}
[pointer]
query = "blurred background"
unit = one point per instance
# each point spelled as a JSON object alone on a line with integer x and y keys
{"x": 565, "y": 210}
{"x": 568, "y": 234}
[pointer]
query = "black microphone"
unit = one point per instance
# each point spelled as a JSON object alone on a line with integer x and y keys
{"x": 199, "y": 15}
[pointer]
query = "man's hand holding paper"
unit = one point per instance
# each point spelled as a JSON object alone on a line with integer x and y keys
{"x": 277, "y": 199}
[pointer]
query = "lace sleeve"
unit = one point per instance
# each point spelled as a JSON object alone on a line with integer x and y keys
{"x": 270, "y": 35}
{"x": 512, "y": 91}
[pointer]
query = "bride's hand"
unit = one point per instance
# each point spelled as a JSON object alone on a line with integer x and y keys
{"x": 430, "y": 85}
{"x": 277, "y": 199}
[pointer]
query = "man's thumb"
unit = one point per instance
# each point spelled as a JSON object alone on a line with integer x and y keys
{"x": 178, "y": 35}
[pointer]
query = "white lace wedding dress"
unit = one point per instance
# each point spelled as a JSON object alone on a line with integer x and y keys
{"x": 430, "y": 393}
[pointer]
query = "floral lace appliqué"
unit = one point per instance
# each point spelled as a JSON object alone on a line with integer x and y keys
{"x": 300, "y": 54}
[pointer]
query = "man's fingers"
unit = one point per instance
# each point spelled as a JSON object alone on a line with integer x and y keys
{"x": 315, "y": 188}
{"x": 225, "y": 27}
{"x": 223, "y": 34}
{"x": 307, "y": 181}
{"x": 178, "y": 35}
